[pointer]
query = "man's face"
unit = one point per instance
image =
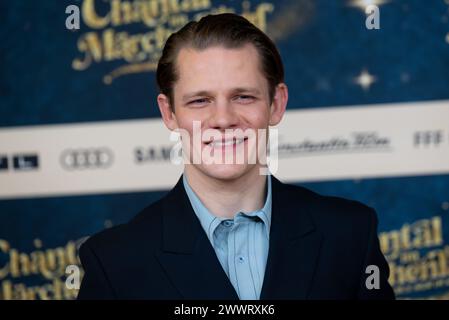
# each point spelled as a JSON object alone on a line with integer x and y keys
{"x": 224, "y": 90}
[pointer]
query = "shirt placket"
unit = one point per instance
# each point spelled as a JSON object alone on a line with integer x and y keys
{"x": 239, "y": 254}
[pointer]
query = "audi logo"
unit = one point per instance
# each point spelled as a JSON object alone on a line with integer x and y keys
{"x": 91, "y": 158}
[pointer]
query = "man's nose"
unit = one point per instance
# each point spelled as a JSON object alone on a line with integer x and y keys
{"x": 223, "y": 115}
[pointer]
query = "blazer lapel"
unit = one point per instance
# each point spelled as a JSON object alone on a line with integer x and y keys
{"x": 187, "y": 254}
{"x": 294, "y": 245}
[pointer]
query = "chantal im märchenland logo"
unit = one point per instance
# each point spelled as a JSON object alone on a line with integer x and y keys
{"x": 129, "y": 35}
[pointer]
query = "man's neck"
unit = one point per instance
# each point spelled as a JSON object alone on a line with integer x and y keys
{"x": 225, "y": 198}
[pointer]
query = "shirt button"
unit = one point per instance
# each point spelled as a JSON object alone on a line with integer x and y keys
{"x": 241, "y": 259}
{"x": 227, "y": 223}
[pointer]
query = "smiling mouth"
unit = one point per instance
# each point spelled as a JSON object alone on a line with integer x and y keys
{"x": 226, "y": 142}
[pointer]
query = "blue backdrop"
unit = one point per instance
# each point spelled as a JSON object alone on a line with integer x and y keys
{"x": 324, "y": 45}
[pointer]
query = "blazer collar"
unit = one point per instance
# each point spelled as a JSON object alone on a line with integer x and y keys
{"x": 187, "y": 255}
{"x": 294, "y": 244}
{"x": 191, "y": 263}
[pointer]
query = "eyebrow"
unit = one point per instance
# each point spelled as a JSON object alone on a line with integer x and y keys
{"x": 209, "y": 93}
{"x": 249, "y": 90}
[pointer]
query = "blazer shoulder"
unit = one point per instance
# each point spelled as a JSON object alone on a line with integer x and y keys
{"x": 348, "y": 228}
{"x": 333, "y": 211}
{"x": 145, "y": 227}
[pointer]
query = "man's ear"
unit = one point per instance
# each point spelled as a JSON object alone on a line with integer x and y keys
{"x": 279, "y": 104}
{"x": 168, "y": 116}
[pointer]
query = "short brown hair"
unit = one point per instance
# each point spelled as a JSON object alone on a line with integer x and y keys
{"x": 227, "y": 30}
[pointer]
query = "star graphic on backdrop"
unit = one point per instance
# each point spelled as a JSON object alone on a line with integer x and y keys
{"x": 362, "y": 4}
{"x": 365, "y": 80}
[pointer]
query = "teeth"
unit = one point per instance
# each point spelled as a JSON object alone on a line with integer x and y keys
{"x": 226, "y": 143}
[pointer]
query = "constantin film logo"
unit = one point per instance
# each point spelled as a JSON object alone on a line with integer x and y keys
{"x": 131, "y": 34}
{"x": 353, "y": 142}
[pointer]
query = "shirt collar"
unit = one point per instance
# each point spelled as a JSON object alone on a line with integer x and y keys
{"x": 210, "y": 222}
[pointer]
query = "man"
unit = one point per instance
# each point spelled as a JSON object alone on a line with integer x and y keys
{"x": 226, "y": 231}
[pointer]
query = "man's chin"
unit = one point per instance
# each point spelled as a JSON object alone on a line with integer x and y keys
{"x": 226, "y": 171}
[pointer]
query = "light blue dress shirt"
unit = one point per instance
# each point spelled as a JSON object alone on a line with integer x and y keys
{"x": 241, "y": 244}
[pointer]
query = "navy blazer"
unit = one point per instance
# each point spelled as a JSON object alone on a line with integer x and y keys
{"x": 320, "y": 247}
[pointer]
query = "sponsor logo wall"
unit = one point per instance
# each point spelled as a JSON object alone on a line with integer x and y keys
{"x": 82, "y": 147}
